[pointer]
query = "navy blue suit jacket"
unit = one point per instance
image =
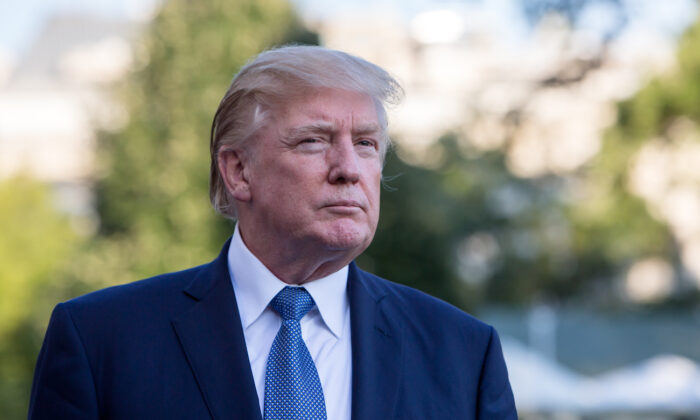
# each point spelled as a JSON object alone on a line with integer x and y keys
{"x": 172, "y": 347}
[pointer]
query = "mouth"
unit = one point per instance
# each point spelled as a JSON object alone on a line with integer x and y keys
{"x": 344, "y": 206}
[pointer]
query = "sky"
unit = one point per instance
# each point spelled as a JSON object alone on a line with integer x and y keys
{"x": 20, "y": 20}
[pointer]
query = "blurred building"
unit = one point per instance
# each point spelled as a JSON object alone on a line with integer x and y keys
{"x": 56, "y": 96}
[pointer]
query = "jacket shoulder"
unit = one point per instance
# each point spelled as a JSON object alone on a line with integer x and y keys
{"x": 161, "y": 292}
{"x": 421, "y": 310}
{"x": 446, "y": 354}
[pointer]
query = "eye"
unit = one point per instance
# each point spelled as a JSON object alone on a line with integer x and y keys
{"x": 367, "y": 147}
{"x": 311, "y": 144}
{"x": 367, "y": 143}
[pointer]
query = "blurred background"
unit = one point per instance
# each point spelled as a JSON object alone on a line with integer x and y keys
{"x": 545, "y": 175}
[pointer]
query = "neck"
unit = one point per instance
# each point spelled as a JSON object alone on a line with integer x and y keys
{"x": 292, "y": 263}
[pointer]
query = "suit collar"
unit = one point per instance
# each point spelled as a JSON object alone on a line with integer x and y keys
{"x": 255, "y": 286}
{"x": 376, "y": 349}
{"x": 212, "y": 338}
{"x": 209, "y": 276}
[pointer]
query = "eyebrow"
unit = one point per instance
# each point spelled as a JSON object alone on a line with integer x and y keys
{"x": 369, "y": 128}
{"x": 315, "y": 127}
{"x": 328, "y": 127}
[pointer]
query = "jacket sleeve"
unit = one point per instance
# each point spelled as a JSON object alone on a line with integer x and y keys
{"x": 63, "y": 387}
{"x": 495, "y": 395}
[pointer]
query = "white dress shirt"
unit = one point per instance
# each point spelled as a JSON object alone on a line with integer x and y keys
{"x": 325, "y": 328}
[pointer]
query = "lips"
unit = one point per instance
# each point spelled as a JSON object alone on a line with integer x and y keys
{"x": 344, "y": 205}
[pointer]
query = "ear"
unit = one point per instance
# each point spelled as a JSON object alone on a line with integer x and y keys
{"x": 233, "y": 168}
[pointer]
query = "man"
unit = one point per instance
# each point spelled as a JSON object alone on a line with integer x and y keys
{"x": 282, "y": 324}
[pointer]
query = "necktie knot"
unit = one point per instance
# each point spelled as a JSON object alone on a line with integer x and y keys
{"x": 292, "y": 303}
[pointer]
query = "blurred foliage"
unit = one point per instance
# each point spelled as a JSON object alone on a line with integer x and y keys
{"x": 471, "y": 232}
{"x": 153, "y": 197}
{"x": 650, "y": 115}
{"x": 653, "y": 110}
{"x": 573, "y": 11}
{"x": 36, "y": 244}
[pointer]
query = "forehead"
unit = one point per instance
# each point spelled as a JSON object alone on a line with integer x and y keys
{"x": 331, "y": 108}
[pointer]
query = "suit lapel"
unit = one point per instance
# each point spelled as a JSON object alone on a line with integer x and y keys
{"x": 376, "y": 350}
{"x": 212, "y": 338}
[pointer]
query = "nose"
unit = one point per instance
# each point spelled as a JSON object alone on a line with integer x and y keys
{"x": 343, "y": 163}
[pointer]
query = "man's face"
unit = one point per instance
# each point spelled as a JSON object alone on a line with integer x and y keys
{"x": 314, "y": 174}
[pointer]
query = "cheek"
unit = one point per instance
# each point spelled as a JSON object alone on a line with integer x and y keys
{"x": 375, "y": 191}
{"x": 293, "y": 187}
{"x": 374, "y": 182}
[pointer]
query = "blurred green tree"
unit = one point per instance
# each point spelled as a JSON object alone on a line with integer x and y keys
{"x": 36, "y": 245}
{"x": 665, "y": 114}
{"x": 153, "y": 199}
{"x": 470, "y": 231}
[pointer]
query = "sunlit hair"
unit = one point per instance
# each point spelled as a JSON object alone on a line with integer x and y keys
{"x": 280, "y": 76}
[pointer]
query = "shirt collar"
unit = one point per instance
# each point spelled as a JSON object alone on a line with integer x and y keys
{"x": 255, "y": 286}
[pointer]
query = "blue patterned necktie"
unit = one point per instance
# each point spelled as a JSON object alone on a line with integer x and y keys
{"x": 292, "y": 386}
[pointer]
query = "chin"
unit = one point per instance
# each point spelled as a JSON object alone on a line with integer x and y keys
{"x": 344, "y": 239}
